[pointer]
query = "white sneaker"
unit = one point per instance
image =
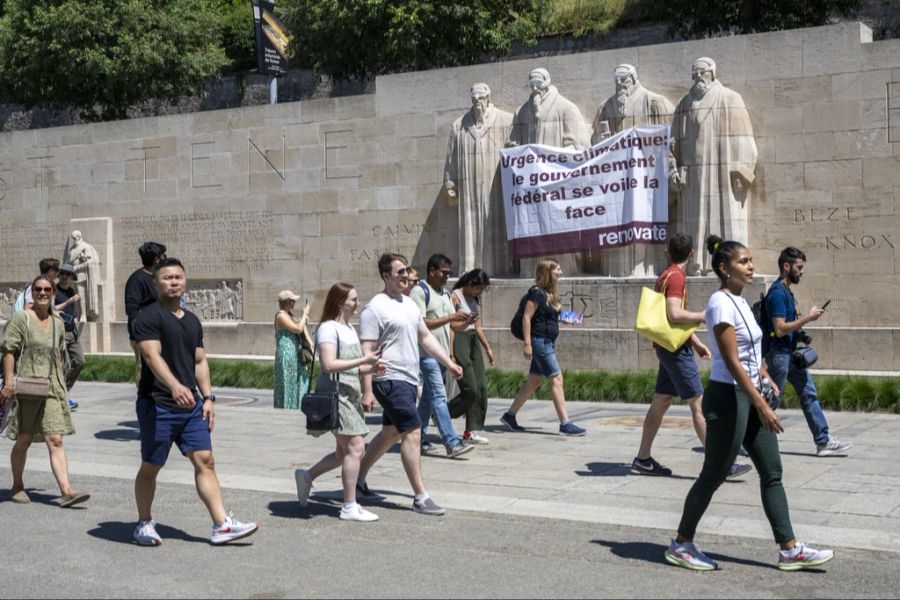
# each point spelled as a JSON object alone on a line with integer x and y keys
{"x": 802, "y": 556}
{"x": 231, "y": 529}
{"x": 833, "y": 447}
{"x": 145, "y": 533}
{"x": 304, "y": 486}
{"x": 357, "y": 513}
{"x": 475, "y": 438}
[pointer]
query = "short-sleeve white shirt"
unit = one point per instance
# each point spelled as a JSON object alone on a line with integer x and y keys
{"x": 724, "y": 307}
{"x": 394, "y": 324}
{"x": 332, "y": 332}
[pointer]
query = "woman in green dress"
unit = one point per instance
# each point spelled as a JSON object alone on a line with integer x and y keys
{"x": 36, "y": 336}
{"x": 291, "y": 376}
{"x": 343, "y": 361}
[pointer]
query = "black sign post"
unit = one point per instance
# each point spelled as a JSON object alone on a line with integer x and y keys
{"x": 271, "y": 44}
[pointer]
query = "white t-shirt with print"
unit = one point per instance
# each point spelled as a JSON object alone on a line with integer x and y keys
{"x": 394, "y": 323}
{"x": 724, "y": 307}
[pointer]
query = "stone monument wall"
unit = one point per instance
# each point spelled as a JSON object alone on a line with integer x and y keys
{"x": 304, "y": 194}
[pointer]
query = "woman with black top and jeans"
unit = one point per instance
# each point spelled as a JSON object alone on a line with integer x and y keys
{"x": 540, "y": 325}
{"x": 737, "y": 414}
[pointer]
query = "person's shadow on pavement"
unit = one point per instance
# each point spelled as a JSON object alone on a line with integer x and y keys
{"x": 129, "y": 434}
{"x": 37, "y": 497}
{"x": 122, "y": 532}
{"x": 650, "y": 552}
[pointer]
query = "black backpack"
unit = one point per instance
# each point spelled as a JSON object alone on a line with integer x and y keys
{"x": 515, "y": 326}
{"x": 762, "y": 319}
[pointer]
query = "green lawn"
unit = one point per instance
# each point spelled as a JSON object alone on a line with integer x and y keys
{"x": 869, "y": 394}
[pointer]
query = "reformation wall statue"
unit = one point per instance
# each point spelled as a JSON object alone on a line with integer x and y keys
{"x": 632, "y": 105}
{"x": 550, "y": 119}
{"x": 86, "y": 261}
{"x": 715, "y": 156}
{"x": 472, "y": 177}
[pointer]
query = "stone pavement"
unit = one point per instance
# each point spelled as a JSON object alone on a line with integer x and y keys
{"x": 851, "y": 502}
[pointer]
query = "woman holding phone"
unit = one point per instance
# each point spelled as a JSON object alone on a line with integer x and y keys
{"x": 468, "y": 341}
{"x": 343, "y": 360}
{"x": 291, "y": 375}
{"x": 737, "y": 414}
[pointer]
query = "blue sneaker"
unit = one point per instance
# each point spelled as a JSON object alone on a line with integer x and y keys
{"x": 571, "y": 429}
{"x": 689, "y": 556}
{"x": 72, "y": 404}
{"x": 509, "y": 420}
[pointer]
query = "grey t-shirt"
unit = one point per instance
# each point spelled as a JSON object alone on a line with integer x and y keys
{"x": 439, "y": 305}
{"x": 394, "y": 324}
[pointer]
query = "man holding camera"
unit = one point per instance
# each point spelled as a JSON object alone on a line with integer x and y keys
{"x": 784, "y": 330}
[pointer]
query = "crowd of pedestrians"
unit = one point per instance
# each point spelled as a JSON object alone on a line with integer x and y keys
{"x": 415, "y": 339}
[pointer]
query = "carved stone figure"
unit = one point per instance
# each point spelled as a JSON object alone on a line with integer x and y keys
{"x": 86, "y": 261}
{"x": 715, "y": 156}
{"x": 548, "y": 118}
{"x": 216, "y": 302}
{"x": 632, "y": 105}
{"x": 472, "y": 177}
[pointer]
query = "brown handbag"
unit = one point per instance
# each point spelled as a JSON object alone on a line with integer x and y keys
{"x": 35, "y": 388}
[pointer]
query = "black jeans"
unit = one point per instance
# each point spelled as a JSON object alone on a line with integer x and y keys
{"x": 731, "y": 421}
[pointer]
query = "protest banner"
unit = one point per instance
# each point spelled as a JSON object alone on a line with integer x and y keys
{"x": 613, "y": 194}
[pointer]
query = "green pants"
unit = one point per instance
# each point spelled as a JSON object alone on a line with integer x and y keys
{"x": 472, "y": 398}
{"x": 732, "y": 421}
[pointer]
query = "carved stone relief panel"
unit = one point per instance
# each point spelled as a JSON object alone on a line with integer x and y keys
{"x": 216, "y": 300}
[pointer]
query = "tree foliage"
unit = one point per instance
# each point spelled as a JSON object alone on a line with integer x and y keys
{"x": 709, "y": 18}
{"x": 360, "y": 38}
{"x": 237, "y": 36}
{"x": 101, "y": 57}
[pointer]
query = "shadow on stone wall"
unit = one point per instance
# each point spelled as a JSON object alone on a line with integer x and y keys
{"x": 439, "y": 234}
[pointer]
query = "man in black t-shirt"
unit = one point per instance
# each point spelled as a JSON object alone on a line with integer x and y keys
{"x": 170, "y": 409}
{"x": 140, "y": 291}
{"x": 68, "y": 305}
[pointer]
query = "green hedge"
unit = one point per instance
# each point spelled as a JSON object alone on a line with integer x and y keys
{"x": 836, "y": 393}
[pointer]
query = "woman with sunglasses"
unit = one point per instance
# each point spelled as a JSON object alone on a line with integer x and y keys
{"x": 36, "y": 336}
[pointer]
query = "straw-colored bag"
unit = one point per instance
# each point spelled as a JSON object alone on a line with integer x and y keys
{"x": 653, "y": 320}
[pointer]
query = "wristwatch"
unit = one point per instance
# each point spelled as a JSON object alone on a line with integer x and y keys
{"x": 209, "y": 397}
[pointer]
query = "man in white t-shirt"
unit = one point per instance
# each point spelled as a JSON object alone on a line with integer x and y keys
{"x": 392, "y": 323}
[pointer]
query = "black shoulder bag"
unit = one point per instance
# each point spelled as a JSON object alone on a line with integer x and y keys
{"x": 321, "y": 408}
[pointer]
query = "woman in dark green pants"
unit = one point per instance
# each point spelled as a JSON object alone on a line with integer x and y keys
{"x": 468, "y": 340}
{"x": 737, "y": 414}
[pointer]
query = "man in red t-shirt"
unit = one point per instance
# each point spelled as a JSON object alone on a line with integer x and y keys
{"x": 678, "y": 373}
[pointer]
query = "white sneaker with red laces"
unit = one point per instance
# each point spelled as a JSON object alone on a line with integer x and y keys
{"x": 802, "y": 556}
{"x": 231, "y": 529}
{"x": 476, "y": 438}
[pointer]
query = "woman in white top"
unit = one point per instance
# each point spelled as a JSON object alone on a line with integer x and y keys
{"x": 468, "y": 340}
{"x": 341, "y": 354}
{"x": 737, "y": 414}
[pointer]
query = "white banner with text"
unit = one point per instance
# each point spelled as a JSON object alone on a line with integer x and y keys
{"x": 610, "y": 195}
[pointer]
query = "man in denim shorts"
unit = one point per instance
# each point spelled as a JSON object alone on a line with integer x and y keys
{"x": 170, "y": 409}
{"x": 392, "y": 323}
{"x": 678, "y": 373}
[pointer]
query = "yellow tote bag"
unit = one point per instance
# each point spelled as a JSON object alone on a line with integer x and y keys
{"x": 653, "y": 321}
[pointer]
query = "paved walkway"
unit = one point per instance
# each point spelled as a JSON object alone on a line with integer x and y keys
{"x": 851, "y": 501}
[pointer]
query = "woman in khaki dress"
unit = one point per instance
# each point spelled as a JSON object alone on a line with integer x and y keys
{"x": 37, "y": 337}
{"x": 341, "y": 355}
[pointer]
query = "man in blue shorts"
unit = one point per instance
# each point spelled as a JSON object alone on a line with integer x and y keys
{"x": 170, "y": 408}
{"x": 678, "y": 373}
{"x": 392, "y": 323}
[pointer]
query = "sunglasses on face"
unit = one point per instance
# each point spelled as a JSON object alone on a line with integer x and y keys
{"x": 42, "y": 290}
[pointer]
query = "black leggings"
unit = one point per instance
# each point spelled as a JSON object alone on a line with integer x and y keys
{"x": 732, "y": 421}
